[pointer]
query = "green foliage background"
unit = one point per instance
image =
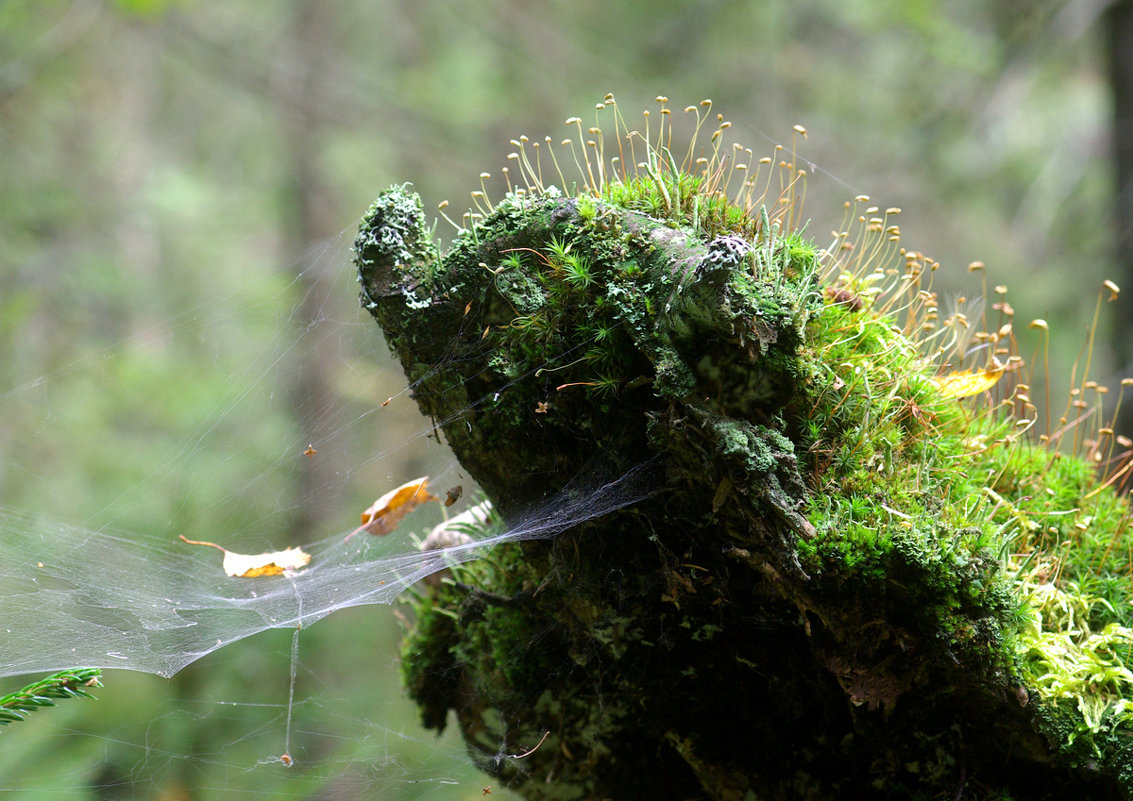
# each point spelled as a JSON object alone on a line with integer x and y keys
{"x": 158, "y": 155}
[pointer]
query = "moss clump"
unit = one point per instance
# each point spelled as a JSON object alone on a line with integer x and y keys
{"x": 844, "y": 580}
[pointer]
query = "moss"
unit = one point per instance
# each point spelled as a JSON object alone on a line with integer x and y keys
{"x": 841, "y": 582}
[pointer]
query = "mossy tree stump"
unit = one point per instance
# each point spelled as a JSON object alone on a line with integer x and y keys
{"x": 739, "y": 633}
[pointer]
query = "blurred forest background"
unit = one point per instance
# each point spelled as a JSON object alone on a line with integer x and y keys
{"x": 179, "y": 185}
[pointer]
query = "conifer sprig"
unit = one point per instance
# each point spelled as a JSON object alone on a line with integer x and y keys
{"x": 64, "y": 684}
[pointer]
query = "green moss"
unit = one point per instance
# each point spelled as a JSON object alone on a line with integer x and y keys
{"x": 836, "y": 546}
{"x": 1001, "y": 495}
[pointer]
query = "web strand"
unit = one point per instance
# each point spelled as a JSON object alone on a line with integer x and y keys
{"x": 286, "y": 757}
{"x": 111, "y": 599}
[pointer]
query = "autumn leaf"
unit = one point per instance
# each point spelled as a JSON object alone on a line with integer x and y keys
{"x": 387, "y": 511}
{"x": 966, "y": 383}
{"x": 262, "y": 564}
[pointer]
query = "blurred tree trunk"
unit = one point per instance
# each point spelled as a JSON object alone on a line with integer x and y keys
{"x": 1118, "y": 24}
{"x": 306, "y": 222}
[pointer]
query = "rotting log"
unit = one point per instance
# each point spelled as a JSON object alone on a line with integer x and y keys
{"x": 721, "y": 638}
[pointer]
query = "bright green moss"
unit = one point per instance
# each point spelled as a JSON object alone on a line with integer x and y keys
{"x": 840, "y": 545}
{"x": 997, "y": 495}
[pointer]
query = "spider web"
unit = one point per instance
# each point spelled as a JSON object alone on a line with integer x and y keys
{"x": 105, "y": 598}
{"x": 104, "y": 581}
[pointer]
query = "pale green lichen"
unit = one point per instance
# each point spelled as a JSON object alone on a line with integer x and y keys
{"x": 1063, "y": 658}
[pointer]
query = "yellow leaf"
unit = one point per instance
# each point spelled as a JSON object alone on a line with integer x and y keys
{"x": 966, "y": 383}
{"x": 387, "y": 511}
{"x": 262, "y": 564}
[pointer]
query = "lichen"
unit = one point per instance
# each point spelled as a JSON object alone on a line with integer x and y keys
{"x": 846, "y": 581}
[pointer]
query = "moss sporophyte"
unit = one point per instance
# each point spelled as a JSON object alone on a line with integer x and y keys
{"x": 868, "y": 562}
